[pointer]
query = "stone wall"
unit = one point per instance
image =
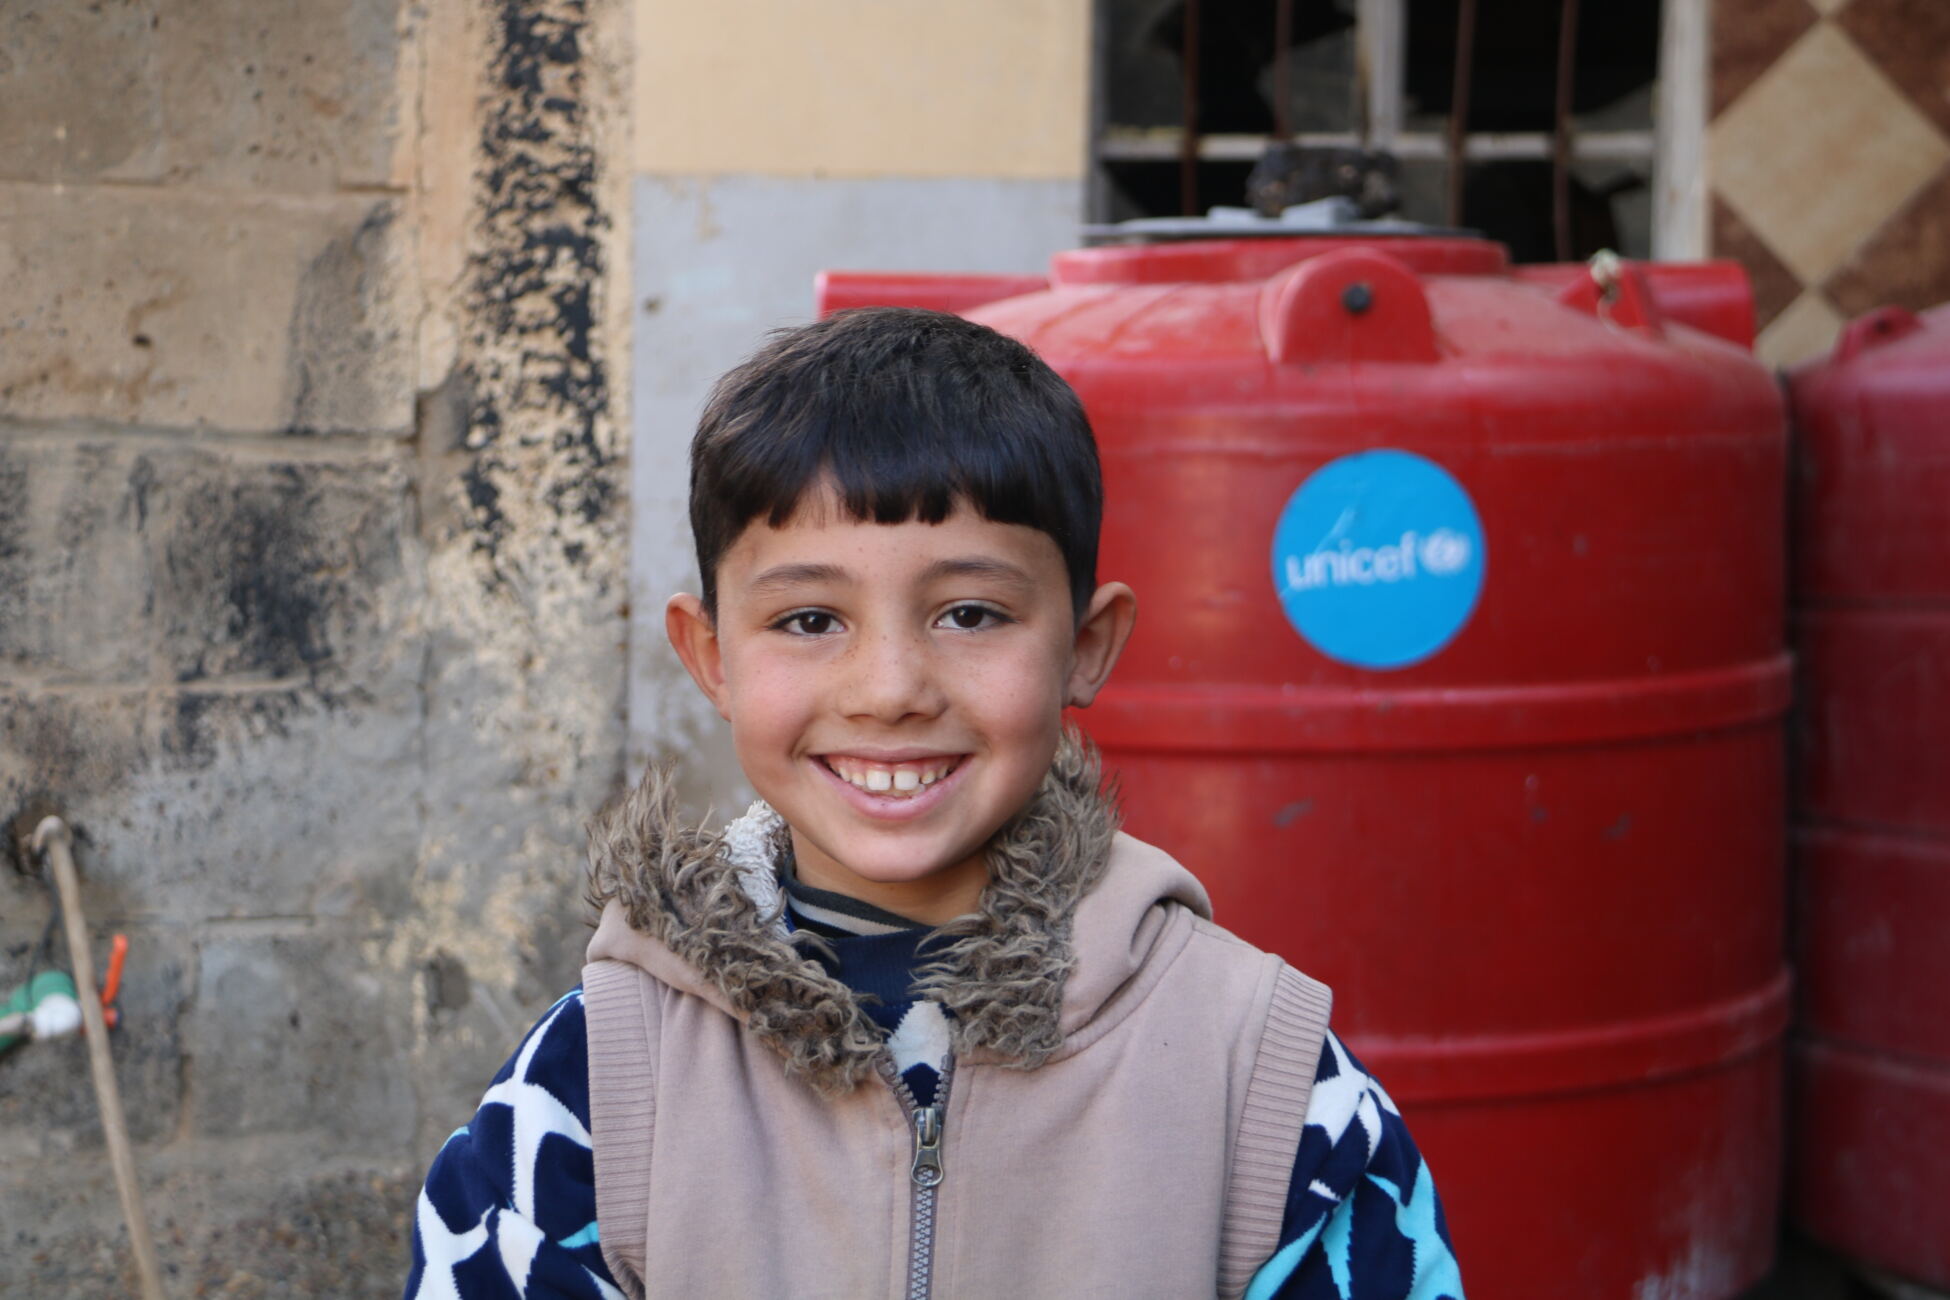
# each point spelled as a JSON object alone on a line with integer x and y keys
{"x": 312, "y": 593}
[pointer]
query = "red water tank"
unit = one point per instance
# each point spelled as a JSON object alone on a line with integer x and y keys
{"x": 1870, "y": 1137}
{"x": 1459, "y": 681}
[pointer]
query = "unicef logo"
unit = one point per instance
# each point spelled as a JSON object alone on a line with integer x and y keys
{"x": 1446, "y": 552}
{"x": 1378, "y": 559}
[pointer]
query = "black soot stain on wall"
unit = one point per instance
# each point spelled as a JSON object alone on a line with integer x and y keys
{"x": 538, "y": 377}
{"x": 14, "y": 556}
{"x": 246, "y": 566}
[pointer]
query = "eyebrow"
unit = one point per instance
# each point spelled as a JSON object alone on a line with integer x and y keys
{"x": 978, "y": 566}
{"x": 784, "y": 577}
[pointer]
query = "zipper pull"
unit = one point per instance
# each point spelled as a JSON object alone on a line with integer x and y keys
{"x": 927, "y": 1147}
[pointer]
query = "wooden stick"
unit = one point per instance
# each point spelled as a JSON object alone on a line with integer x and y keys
{"x": 54, "y": 841}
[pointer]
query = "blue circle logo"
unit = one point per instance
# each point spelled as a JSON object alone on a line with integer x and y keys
{"x": 1378, "y": 559}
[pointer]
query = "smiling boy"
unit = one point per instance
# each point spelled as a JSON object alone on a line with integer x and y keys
{"x": 922, "y": 1022}
{"x": 896, "y": 691}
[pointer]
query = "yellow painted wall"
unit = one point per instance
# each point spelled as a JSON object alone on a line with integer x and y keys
{"x": 986, "y": 88}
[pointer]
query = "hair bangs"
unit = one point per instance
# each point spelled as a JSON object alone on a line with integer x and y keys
{"x": 906, "y": 414}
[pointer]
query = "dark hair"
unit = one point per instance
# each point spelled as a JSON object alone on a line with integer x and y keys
{"x": 907, "y": 412}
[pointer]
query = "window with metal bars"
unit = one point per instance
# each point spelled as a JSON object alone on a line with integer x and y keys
{"x": 1529, "y": 120}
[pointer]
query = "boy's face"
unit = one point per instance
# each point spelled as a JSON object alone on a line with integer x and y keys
{"x": 895, "y": 691}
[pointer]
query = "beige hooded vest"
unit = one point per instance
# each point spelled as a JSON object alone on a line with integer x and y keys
{"x": 1120, "y": 1116}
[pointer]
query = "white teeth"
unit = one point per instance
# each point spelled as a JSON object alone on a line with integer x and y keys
{"x": 896, "y": 780}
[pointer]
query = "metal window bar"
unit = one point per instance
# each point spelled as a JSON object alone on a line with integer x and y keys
{"x": 1163, "y": 144}
{"x": 1188, "y": 151}
{"x": 1282, "y": 69}
{"x": 1458, "y": 136}
{"x": 1567, "y": 66}
{"x": 1378, "y": 36}
{"x": 1379, "y": 33}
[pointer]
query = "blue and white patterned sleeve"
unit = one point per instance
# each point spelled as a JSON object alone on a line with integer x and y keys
{"x": 509, "y": 1207}
{"x": 1363, "y": 1221}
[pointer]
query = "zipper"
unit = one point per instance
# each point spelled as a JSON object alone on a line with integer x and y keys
{"x": 924, "y": 1174}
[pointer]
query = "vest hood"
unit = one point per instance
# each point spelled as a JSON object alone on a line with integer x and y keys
{"x": 1070, "y": 914}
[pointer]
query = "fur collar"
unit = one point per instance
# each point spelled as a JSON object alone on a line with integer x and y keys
{"x": 712, "y": 899}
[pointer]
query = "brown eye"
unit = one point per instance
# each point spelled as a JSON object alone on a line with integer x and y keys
{"x": 970, "y": 617}
{"x": 810, "y": 622}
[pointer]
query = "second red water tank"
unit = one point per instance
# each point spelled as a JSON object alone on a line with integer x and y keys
{"x": 1870, "y": 1143}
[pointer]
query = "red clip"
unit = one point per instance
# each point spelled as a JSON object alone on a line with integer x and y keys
{"x": 112, "y": 981}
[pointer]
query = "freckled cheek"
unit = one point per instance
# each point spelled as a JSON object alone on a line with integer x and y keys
{"x": 1019, "y": 698}
{"x": 771, "y": 707}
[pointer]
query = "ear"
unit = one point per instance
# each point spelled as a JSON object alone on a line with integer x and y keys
{"x": 695, "y": 639}
{"x": 1101, "y": 633}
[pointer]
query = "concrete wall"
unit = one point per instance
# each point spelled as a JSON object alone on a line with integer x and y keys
{"x": 775, "y": 139}
{"x": 312, "y": 593}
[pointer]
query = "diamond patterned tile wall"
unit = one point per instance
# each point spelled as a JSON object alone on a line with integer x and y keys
{"x": 1829, "y": 159}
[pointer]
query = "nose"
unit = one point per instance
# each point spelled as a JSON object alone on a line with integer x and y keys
{"x": 891, "y": 676}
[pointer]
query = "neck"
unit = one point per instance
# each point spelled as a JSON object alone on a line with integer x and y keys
{"x": 933, "y": 900}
